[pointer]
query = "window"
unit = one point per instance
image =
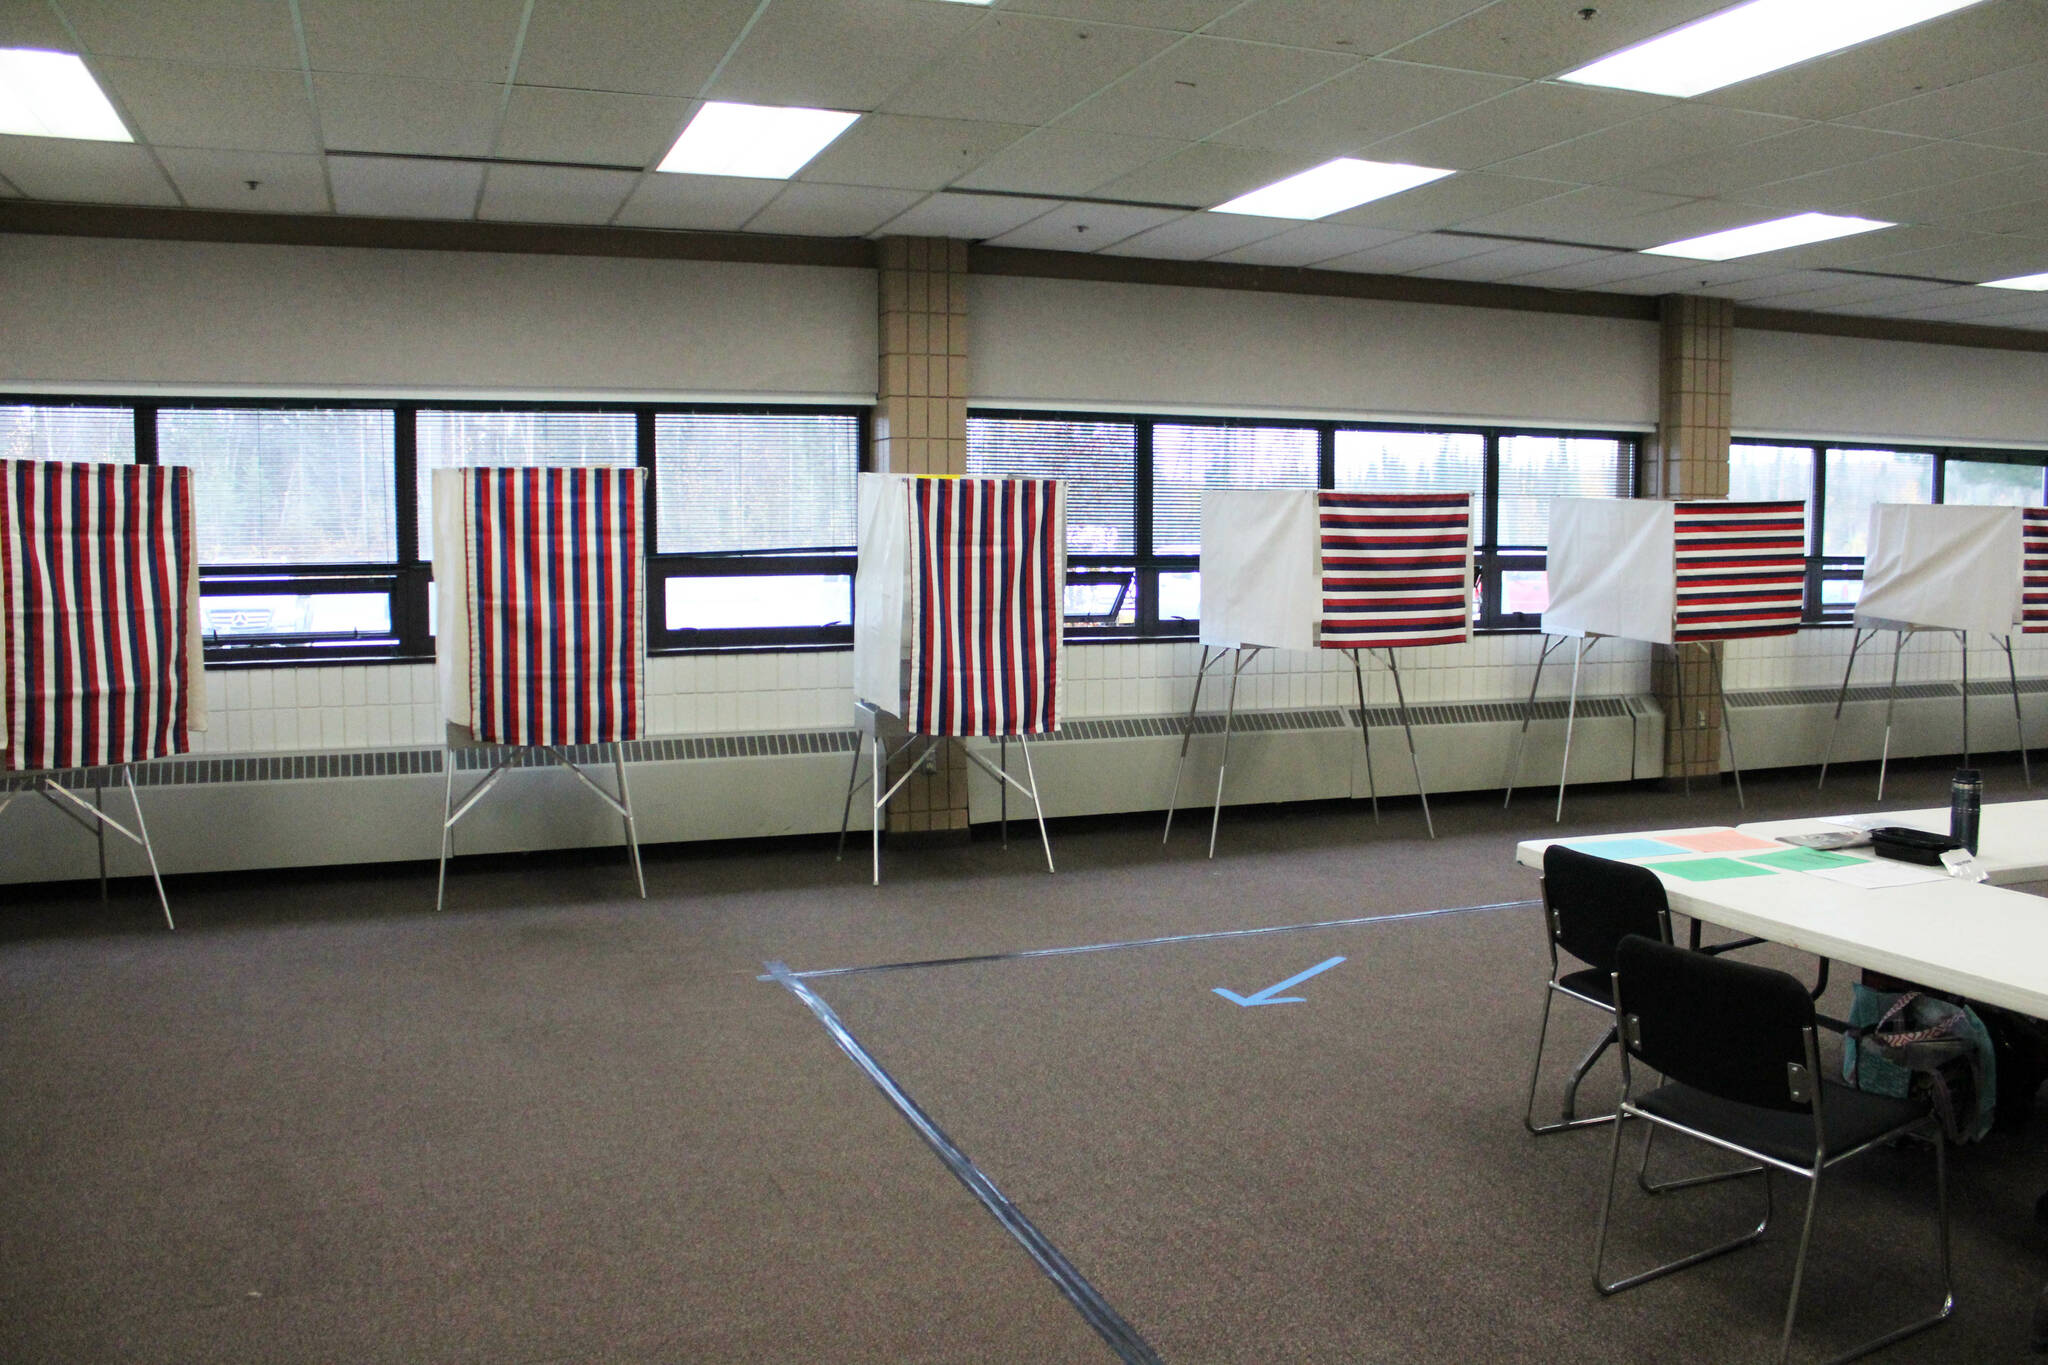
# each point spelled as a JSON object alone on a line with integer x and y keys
{"x": 454, "y": 439}
{"x": 1108, "y": 586}
{"x": 1993, "y": 483}
{"x": 81, "y": 435}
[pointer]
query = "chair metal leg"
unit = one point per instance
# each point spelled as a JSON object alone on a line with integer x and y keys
{"x": 626, "y": 800}
{"x": 1568, "y": 1115}
{"x": 1606, "y": 1286}
{"x": 1649, "y": 1186}
{"x": 1948, "y": 1290}
{"x": 1799, "y": 1268}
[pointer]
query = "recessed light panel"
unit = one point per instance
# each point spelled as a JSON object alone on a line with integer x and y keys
{"x": 758, "y": 141}
{"x": 51, "y": 94}
{"x": 2019, "y": 282}
{"x": 1331, "y": 188}
{"x": 1751, "y": 39}
{"x": 1798, "y": 230}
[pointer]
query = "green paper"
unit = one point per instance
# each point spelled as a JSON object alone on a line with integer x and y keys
{"x": 1710, "y": 869}
{"x": 1804, "y": 859}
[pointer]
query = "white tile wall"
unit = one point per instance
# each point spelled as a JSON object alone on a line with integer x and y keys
{"x": 287, "y": 710}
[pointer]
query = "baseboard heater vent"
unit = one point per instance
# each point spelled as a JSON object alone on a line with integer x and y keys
{"x": 1206, "y": 723}
{"x": 1494, "y": 712}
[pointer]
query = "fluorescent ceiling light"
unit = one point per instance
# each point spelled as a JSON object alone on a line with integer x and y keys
{"x": 1331, "y": 188}
{"x": 51, "y": 94}
{"x": 1751, "y": 39}
{"x": 2019, "y": 282}
{"x": 761, "y": 142}
{"x": 1776, "y": 235}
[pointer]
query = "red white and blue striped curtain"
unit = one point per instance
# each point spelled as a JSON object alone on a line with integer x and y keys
{"x": 1397, "y": 569}
{"x": 100, "y": 577}
{"x": 1741, "y": 569}
{"x": 987, "y": 577}
{"x": 2034, "y": 598}
{"x": 556, "y": 589}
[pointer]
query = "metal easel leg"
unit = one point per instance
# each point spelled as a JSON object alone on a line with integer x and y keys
{"x": 1528, "y": 714}
{"x": 1401, "y": 700}
{"x": 1372, "y": 786}
{"x": 99, "y": 832}
{"x": 1187, "y": 733}
{"x": 1570, "y": 715}
{"x": 846, "y": 812}
{"x": 1858, "y": 640}
{"x": 626, "y": 800}
{"x": 1727, "y": 721}
{"x": 2019, "y": 726}
{"x": 148, "y": 849}
{"x": 1244, "y": 656}
{"x": 1685, "y": 726}
{"x": 1963, "y": 639}
{"x": 1036, "y": 806}
{"x": 1003, "y": 788}
{"x": 447, "y": 823}
{"x": 880, "y": 799}
{"x": 1891, "y": 697}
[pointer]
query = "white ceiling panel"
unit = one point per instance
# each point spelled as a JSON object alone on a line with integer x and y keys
{"x": 554, "y": 194}
{"x": 1817, "y": 147}
{"x": 448, "y": 40}
{"x": 1408, "y": 253}
{"x": 1867, "y": 250}
{"x": 1605, "y": 272}
{"x": 1180, "y": 16}
{"x": 84, "y": 172}
{"x": 1057, "y": 163}
{"x": 33, "y": 25}
{"x": 590, "y": 126}
{"x": 1311, "y": 244}
{"x": 1362, "y": 28}
{"x": 1951, "y": 204}
{"x": 831, "y": 210}
{"x": 223, "y": 32}
{"x": 1363, "y": 106}
{"x": 900, "y": 152}
{"x": 1018, "y": 69}
{"x": 2030, "y": 134}
{"x": 1202, "y": 176}
{"x": 1841, "y": 290}
{"x": 1974, "y": 259}
{"x": 1697, "y": 277}
{"x": 238, "y": 107}
{"x": 1523, "y": 258}
{"x": 378, "y": 187}
{"x": 2026, "y": 219}
{"x": 645, "y": 47}
{"x": 1963, "y": 305}
{"x": 1668, "y": 134}
{"x": 1198, "y": 236}
{"x": 421, "y": 118}
{"x": 212, "y": 179}
{"x": 1200, "y": 85}
{"x": 702, "y": 203}
{"x": 1961, "y": 111}
{"x": 967, "y": 217}
{"x": 1602, "y": 215}
{"x": 1450, "y": 202}
{"x": 1083, "y": 227}
{"x": 1523, "y": 120}
{"x": 1536, "y": 38}
{"x": 1769, "y": 289}
{"x": 1926, "y": 165}
{"x": 838, "y": 54}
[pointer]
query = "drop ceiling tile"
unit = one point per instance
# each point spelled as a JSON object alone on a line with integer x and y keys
{"x": 1601, "y": 215}
{"x": 1311, "y": 244}
{"x": 1015, "y": 68}
{"x": 1920, "y": 167}
{"x": 1891, "y": 308}
{"x": 1509, "y": 263}
{"x": 1363, "y": 28}
{"x": 838, "y": 54}
{"x": 2026, "y": 219}
{"x": 84, "y": 172}
{"x": 1522, "y": 120}
{"x": 590, "y": 126}
{"x": 831, "y": 210}
{"x": 1056, "y": 163}
{"x": 554, "y": 194}
{"x": 1601, "y": 273}
{"x": 215, "y": 32}
{"x": 967, "y": 217}
{"x": 1942, "y": 52}
{"x": 380, "y": 187}
{"x": 214, "y": 179}
{"x": 1817, "y": 147}
{"x": 1698, "y": 217}
{"x": 33, "y": 26}
{"x": 1670, "y": 134}
{"x": 1536, "y": 38}
{"x": 2029, "y": 135}
{"x": 1369, "y": 104}
{"x": 1866, "y": 248}
{"x": 705, "y": 203}
{"x": 237, "y": 107}
{"x": 391, "y": 114}
{"x": 1197, "y": 237}
{"x": 645, "y": 47}
{"x": 1974, "y": 259}
{"x": 902, "y": 152}
{"x": 1950, "y": 204}
{"x": 1084, "y": 227}
{"x": 1450, "y": 202}
{"x": 1178, "y": 16}
{"x": 448, "y": 40}
{"x": 1695, "y": 277}
{"x": 1844, "y": 290}
{"x": 1767, "y": 290}
{"x": 1201, "y": 85}
{"x": 1964, "y": 304}
{"x": 1963, "y": 110}
{"x": 1202, "y": 176}
{"x": 1406, "y": 254}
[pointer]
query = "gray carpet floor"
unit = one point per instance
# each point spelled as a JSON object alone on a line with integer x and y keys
{"x": 557, "y": 1123}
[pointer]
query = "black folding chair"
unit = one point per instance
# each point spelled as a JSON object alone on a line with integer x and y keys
{"x": 1737, "y": 1044}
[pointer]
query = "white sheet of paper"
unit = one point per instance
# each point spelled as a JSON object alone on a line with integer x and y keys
{"x": 1879, "y": 873}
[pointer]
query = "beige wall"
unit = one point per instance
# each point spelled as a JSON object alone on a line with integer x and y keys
{"x": 1788, "y": 384}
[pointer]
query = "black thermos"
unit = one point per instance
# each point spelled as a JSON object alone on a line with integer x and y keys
{"x": 1965, "y": 800}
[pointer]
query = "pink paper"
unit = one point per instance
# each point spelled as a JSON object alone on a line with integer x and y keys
{"x": 1719, "y": 841}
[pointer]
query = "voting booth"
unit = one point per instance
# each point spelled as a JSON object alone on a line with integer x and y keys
{"x": 1669, "y": 574}
{"x": 540, "y": 646}
{"x": 958, "y": 601}
{"x": 100, "y": 645}
{"x": 1301, "y": 568}
{"x": 1952, "y": 569}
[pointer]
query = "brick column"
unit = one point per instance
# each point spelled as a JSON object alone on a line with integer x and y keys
{"x": 1690, "y": 460}
{"x": 920, "y": 427}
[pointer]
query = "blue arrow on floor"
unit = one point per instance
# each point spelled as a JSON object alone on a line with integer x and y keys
{"x": 1271, "y": 995}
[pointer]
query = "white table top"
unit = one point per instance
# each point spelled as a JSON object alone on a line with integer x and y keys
{"x": 1975, "y": 939}
{"x": 2012, "y": 836}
